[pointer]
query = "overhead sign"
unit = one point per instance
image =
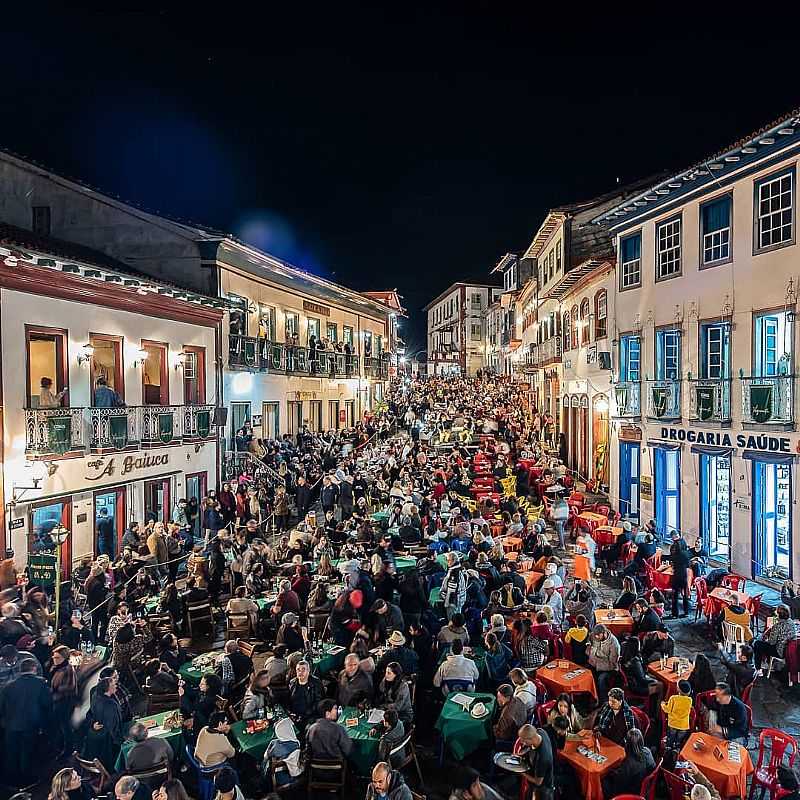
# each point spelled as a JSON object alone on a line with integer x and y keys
{"x": 101, "y": 467}
{"x": 763, "y": 442}
{"x": 315, "y": 308}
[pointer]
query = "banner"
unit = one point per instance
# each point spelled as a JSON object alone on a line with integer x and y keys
{"x": 118, "y": 431}
{"x": 59, "y": 434}
{"x": 165, "y": 428}
{"x": 761, "y": 400}
{"x": 704, "y": 399}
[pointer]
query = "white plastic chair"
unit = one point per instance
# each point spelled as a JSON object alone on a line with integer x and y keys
{"x": 732, "y": 636}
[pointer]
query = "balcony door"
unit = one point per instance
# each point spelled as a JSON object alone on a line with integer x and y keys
{"x": 155, "y": 374}
{"x": 315, "y": 415}
{"x": 196, "y": 490}
{"x": 630, "y": 358}
{"x": 715, "y": 350}
{"x": 194, "y": 376}
{"x": 667, "y": 490}
{"x": 46, "y": 357}
{"x": 629, "y": 468}
{"x": 106, "y": 363}
{"x": 772, "y": 520}
{"x": 333, "y": 415}
{"x": 772, "y": 345}
{"x": 715, "y": 505}
{"x": 668, "y": 355}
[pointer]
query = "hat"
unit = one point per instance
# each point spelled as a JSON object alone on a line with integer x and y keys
{"x": 626, "y": 526}
{"x": 397, "y": 639}
{"x": 478, "y": 710}
{"x": 549, "y": 584}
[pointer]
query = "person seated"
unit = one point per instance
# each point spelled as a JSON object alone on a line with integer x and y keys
{"x": 171, "y": 653}
{"x": 200, "y": 703}
{"x": 656, "y": 644}
{"x": 532, "y": 650}
{"x": 326, "y": 738}
{"x": 129, "y": 787}
{"x": 466, "y": 784}
{"x": 773, "y": 641}
{"x": 645, "y": 619}
{"x": 741, "y": 671}
{"x": 383, "y": 619}
{"x": 394, "y": 691}
{"x": 213, "y": 746}
{"x": 160, "y": 678}
{"x": 234, "y": 666}
{"x": 615, "y": 718}
{"x": 732, "y": 717}
{"x": 73, "y": 635}
{"x": 513, "y": 714}
{"x": 581, "y": 599}
{"x": 391, "y": 731}
{"x": 627, "y": 777}
{"x": 629, "y": 594}
{"x": 524, "y": 688}
{"x": 305, "y": 692}
{"x": 456, "y": 666}
{"x": 354, "y": 685}
{"x": 633, "y": 667}
{"x": 241, "y": 604}
{"x": 564, "y": 707}
{"x": 399, "y": 652}
{"x": 257, "y": 697}
{"x": 285, "y": 747}
{"x": 510, "y": 596}
{"x": 452, "y": 631}
{"x": 291, "y": 633}
{"x": 736, "y": 615}
{"x": 499, "y": 659}
{"x": 146, "y": 753}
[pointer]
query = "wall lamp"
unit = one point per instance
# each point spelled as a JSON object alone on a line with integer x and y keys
{"x": 180, "y": 360}
{"x": 85, "y": 353}
{"x": 141, "y": 357}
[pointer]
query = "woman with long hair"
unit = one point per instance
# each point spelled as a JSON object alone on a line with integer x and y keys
{"x": 564, "y": 707}
{"x": 627, "y": 777}
{"x": 172, "y": 789}
{"x": 702, "y": 678}
{"x": 394, "y": 691}
{"x": 64, "y": 687}
{"x": 67, "y": 785}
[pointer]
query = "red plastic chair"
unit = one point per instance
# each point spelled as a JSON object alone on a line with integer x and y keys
{"x": 642, "y": 720}
{"x": 541, "y": 690}
{"x": 649, "y": 783}
{"x": 766, "y": 774}
{"x": 699, "y": 705}
{"x": 734, "y": 581}
{"x": 700, "y": 597}
{"x": 754, "y": 607}
{"x": 602, "y": 508}
{"x": 677, "y": 786}
{"x": 628, "y": 797}
{"x": 542, "y": 710}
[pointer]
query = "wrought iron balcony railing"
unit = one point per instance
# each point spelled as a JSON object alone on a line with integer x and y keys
{"x": 664, "y": 399}
{"x": 769, "y": 400}
{"x": 54, "y": 431}
{"x": 628, "y": 396}
{"x": 710, "y": 400}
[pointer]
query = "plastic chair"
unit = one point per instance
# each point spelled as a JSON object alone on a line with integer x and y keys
{"x": 700, "y": 597}
{"x": 766, "y": 774}
{"x": 734, "y": 581}
{"x": 541, "y": 690}
{"x": 732, "y": 636}
{"x": 648, "y": 787}
{"x": 628, "y": 797}
{"x": 754, "y": 607}
{"x": 203, "y": 775}
{"x": 642, "y": 720}
{"x": 677, "y": 786}
{"x": 542, "y": 710}
{"x": 699, "y": 705}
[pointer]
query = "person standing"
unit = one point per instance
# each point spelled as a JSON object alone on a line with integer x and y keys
{"x": 64, "y": 688}
{"x": 105, "y": 533}
{"x": 537, "y": 755}
{"x": 680, "y": 557}
{"x": 47, "y": 398}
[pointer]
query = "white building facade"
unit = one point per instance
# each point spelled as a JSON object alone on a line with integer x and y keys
{"x": 704, "y": 433}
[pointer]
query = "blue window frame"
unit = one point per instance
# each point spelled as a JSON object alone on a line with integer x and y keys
{"x": 667, "y": 490}
{"x": 630, "y": 358}
{"x": 715, "y": 232}
{"x": 630, "y": 260}
{"x": 772, "y": 520}
{"x": 668, "y": 355}
{"x": 715, "y": 505}
{"x": 773, "y": 344}
{"x": 629, "y": 464}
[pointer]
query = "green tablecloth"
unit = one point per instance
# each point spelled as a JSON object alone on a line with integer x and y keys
{"x": 364, "y": 755}
{"x": 380, "y": 516}
{"x": 173, "y": 737}
{"x": 442, "y": 557}
{"x": 405, "y": 564}
{"x": 265, "y": 603}
{"x": 461, "y": 733}
{"x": 151, "y": 606}
{"x": 251, "y": 744}
{"x": 191, "y": 674}
{"x": 329, "y": 661}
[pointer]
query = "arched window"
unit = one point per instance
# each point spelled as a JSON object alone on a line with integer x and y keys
{"x": 601, "y": 315}
{"x": 585, "y": 320}
{"x": 565, "y": 330}
{"x": 574, "y": 327}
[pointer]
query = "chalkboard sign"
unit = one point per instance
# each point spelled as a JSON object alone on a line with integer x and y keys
{"x": 42, "y": 570}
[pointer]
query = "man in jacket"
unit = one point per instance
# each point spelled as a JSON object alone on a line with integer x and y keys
{"x": 302, "y": 497}
{"x": 305, "y": 692}
{"x": 387, "y": 784}
{"x": 680, "y": 557}
{"x": 329, "y": 494}
{"x": 346, "y": 497}
{"x": 105, "y": 533}
{"x": 326, "y": 738}
{"x": 398, "y": 652}
{"x": 513, "y": 714}
{"x": 26, "y": 708}
{"x": 354, "y": 684}
{"x": 456, "y": 666}
{"x": 146, "y": 753}
{"x": 732, "y": 716}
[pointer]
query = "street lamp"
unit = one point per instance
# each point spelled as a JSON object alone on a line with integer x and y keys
{"x": 59, "y": 535}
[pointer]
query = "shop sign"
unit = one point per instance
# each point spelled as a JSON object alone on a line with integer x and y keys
{"x": 646, "y": 487}
{"x": 762, "y": 442}
{"x": 630, "y": 433}
{"x": 101, "y": 468}
{"x": 315, "y": 308}
{"x": 305, "y": 395}
{"x": 42, "y": 570}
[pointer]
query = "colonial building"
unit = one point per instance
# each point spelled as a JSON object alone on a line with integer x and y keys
{"x": 456, "y": 328}
{"x": 516, "y": 273}
{"x": 296, "y": 349}
{"x": 70, "y": 450}
{"x": 705, "y": 345}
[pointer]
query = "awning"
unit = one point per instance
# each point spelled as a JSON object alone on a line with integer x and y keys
{"x": 664, "y": 445}
{"x": 711, "y": 450}
{"x": 769, "y": 458}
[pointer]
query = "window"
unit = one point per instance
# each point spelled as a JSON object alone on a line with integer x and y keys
{"x": 631, "y": 261}
{"x": 313, "y": 329}
{"x": 772, "y": 520}
{"x": 775, "y": 211}
{"x": 292, "y": 324}
{"x": 565, "y": 331}
{"x": 773, "y": 344}
{"x": 630, "y": 359}
{"x": 331, "y": 332}
{"x": 155, "y": 377}
{"x": 585, "y": 321}
{"x": 668, "y": 355}
{"x": 194, "y": 375}
{"x": 715, "y": 350}
{"x": 237, "y": 317}
{"x": 668, "y": 249}
{"x": 558, "y": 256}
{"x": 40, "y": 220}
{"x": 475, "y": 331}
{"x": 47, "y": 358}
{"x": 715, "y": 219}
{"x": 574, "y": 327}
{"x": 476, "y": 300}
{"x": 266, "y": 322}
{"x": 601, "y": 314}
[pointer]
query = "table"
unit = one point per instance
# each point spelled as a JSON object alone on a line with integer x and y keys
{"x": 662, "y": 577}
{"x": 605, "y": 534}
{"x": 364, "y": 755}
{"x": 590, "y": 773}
{"x": 380, "y": 516}
{"x": 729, "y": 778}
{"x": 620, "y": 624}
{"x": 511, "y": 544}
{"x": 173, "y": 737}
{"x": 462, "y": 733}
{"x": 192, "y": 674}
{"x": 405, "y": 564}
{"x": 555, "y": 681}
{"x": 253, "y": 744}
{"x": 331, "y": 658}
{"x": 593, "y": 519}
{"x": 151, "y": 605}
{"x": 266, "y": 603}
{"x": 668, "y": 676}
{"x": 721, "y": 598}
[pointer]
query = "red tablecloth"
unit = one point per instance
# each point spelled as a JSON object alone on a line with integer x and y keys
{"x": 662, "y": 578}
{"x": 605, "y": 535}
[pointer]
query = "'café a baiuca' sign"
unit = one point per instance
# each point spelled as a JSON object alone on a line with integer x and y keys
{"x": 746, "y": 441}
{"x": 119, "y": 466}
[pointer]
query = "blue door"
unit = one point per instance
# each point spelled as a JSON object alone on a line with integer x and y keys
{"x": 629, "y": 455}
{"x": 667, "y": 490}
{"x": 715, "y": 505}
{"x": 772, "y": 525}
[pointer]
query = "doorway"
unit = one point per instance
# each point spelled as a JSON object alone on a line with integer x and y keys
{"x": 240, "y": 413}
{"x": 667, "y": 490}
{"x": 715, "y": 506}
{"x": 110, "y": 508}
{"x": 629, "y": 470}
{"x": 270, "y": 421}
{"x": 155, "y": 378}
{"x": 315, "y": 415}
{"x": 44, "y": 518}
{"x": 772, "y": 522}
{"x": 157, "y": 499}
{"x": 46, "y": 357}
{"x": 196, "y": 489}
{"x": 294, "y": 409}
{"x": 333, "y": 415}
{"x": 106, "y": 363}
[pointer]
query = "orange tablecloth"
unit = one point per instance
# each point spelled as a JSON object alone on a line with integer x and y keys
{"x": 662, "y": 578}
{"x": 667, "y": 676}
{"x": 556, "y": 683}
{"x": 720, "y": 598}
{"x": 622, "y": 622}
{"x": 531, "y": 579}
{"x": 511, "y": 543}
{"x": 605, "y": 535}
{"x": 581, "y": 567}
{"x": 590, "y": 773}
{"x": 729, "y": 778}
{"x": 592, "y": 519}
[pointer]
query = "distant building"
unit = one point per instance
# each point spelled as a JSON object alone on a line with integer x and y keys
{"x": 456, "y": 328}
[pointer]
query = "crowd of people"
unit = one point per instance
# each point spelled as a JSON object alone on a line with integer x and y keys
{"x": 430, "y": 551}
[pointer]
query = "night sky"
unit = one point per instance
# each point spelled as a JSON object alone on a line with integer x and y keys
{"x": 381, "y": 147}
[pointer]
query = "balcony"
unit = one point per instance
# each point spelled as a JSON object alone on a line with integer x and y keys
{"x": 710, "y": 400}
{"x": 548, "y": 351}
{"x": 58, "y": 431}
{"x": 664, "y": 400}
{"x": 272, "y": 356}
{"x": 628, "y": 396}
{"x": 372, "y": 367}
{"x": 296, "y": 359}
{"x": 243, "y": 352}
{"x": 768, "y": 401}
{"x": 54, "y": 431}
